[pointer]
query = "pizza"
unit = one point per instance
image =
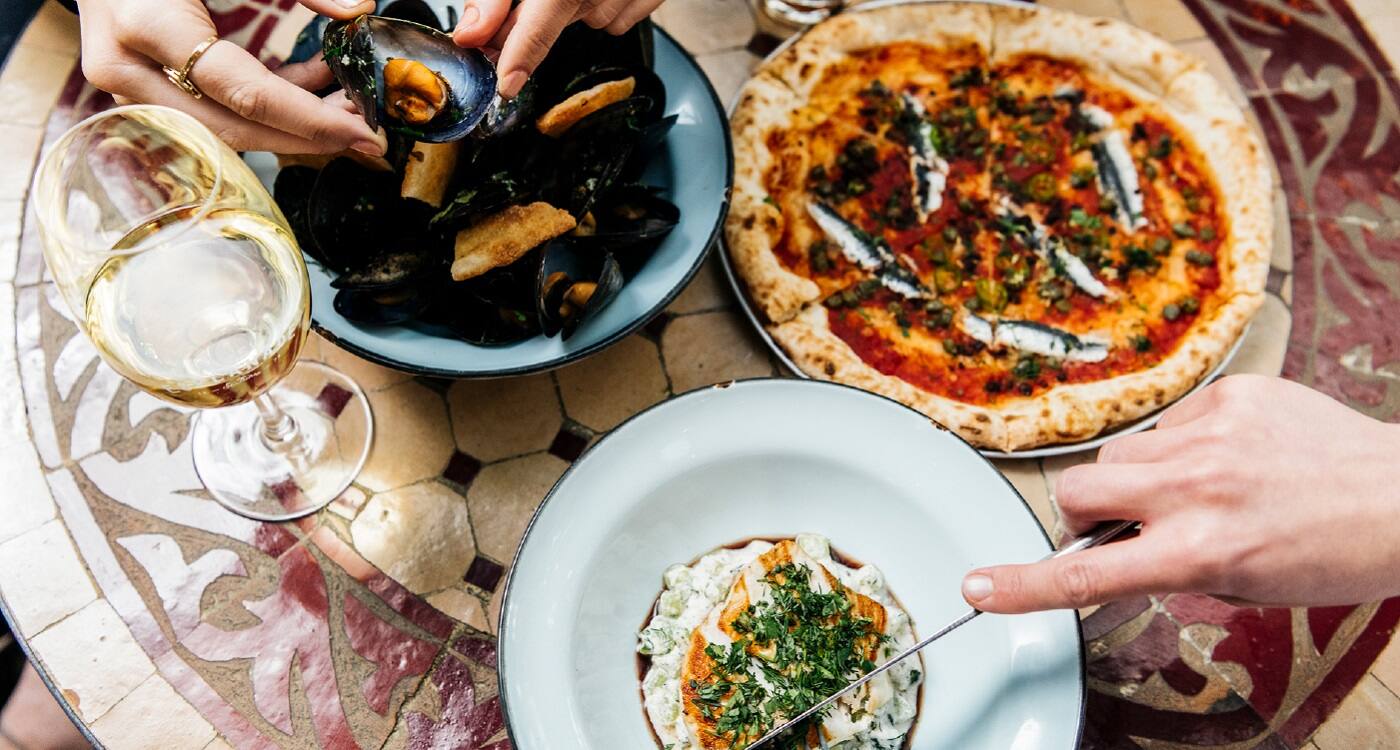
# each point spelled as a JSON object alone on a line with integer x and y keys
{"x": 1030, "y": 225}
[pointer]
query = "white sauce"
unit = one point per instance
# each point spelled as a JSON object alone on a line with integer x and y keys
{"x": 876, "y": 717}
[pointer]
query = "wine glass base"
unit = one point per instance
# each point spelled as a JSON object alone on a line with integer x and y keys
{"x": 244, "y": 474}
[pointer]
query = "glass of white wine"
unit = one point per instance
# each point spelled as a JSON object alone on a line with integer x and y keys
{"x": 184, "y": 274}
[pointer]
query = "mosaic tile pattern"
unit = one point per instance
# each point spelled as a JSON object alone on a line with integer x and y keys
{"x": 163, "y": 621}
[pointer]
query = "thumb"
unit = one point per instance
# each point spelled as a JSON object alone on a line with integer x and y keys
{"x": 340, "y": 8}
{"x": 1094, "y": 576}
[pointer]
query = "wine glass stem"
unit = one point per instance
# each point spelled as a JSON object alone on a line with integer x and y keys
{"x": 279, "y": 429}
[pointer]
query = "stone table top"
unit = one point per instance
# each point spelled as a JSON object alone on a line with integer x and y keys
{"x": 160, "y": 620}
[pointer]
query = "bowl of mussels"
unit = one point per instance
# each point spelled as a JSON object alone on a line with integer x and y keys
{"x": 503, "y": 236}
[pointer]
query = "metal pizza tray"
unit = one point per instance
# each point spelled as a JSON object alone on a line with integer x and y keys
{"x": 1059, "y": 449}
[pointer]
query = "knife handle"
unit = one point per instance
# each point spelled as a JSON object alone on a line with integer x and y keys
{"x": 1101, "y": 534}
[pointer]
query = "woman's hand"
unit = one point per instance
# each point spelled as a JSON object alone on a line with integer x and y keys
{"x": 525, "y": 34}
{"x": 125, "y": 43}
{"x": 1257, "y": 490}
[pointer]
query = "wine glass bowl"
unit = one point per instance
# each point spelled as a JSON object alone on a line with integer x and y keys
{"x": 185, "y": 276}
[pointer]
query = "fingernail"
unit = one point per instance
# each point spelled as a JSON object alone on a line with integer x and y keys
{"x": 350, "y": 4}
{"x": 977, "y": 587}
{"x": 469, "y": 17}
{"x": 512, "y": 83}
{"x": 369, "y": 148}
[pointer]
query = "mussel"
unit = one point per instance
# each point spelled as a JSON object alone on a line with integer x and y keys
{"x": 292, "y": 191}
{"x": 346, "y": 212}
{"x": 410, "y": 78}
{"x": 628, "y": 217}
{"x": 573, "y": 286}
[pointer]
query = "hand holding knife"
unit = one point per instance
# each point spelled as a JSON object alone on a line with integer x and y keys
{"x": 1104, "y": 533}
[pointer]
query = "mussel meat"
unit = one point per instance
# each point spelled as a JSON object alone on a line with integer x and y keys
{"x": 573, "y": 286}
{"x": 410, "y": 78}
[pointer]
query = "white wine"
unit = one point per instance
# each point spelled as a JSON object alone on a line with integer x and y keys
{"x": 214, "y": 316}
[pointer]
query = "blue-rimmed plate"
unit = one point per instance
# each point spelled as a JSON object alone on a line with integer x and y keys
{"x": 773, "y": 458}
{"x": 694, "y": 167}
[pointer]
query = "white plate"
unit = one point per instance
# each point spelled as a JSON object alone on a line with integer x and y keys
{"x": 775, "y": 458}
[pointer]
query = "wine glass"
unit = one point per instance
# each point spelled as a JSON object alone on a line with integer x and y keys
{"x": 184, "y": 274}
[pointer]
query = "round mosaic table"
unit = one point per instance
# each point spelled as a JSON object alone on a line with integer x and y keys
{"x": 162, "y": 621}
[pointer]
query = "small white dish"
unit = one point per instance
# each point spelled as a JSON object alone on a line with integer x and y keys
{"x": 774, "y": 458}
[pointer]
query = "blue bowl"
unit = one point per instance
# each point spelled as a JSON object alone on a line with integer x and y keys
{"x": 695, "y": 169}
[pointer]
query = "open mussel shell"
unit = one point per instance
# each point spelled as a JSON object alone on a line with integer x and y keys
{"x": 383, "y": 305}
{"x": 573, "y": 286}
{"x": 594, "y": 154}
{"x": 350, "y": 213}
{"x": 508, "y": 115}
{"x": 292, "y": 191}
{"x": 628, "y": 217}
{"x": 358, "y": 50}
{"x": 648, "y": 85}
{"x": 497, "y": 307}
{"x": 391, "y": 269}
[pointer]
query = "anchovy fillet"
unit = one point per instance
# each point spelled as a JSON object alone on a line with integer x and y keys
{"x": 1077, "y": 270}
{"x": 928, "y": 171}
{"x": 858, "y": 247}
{"x": 1053, "y": 250}
{"x": 1117, "y": 175}
{"x": 1034, "y": 338}
{"x": 870, "y": 253}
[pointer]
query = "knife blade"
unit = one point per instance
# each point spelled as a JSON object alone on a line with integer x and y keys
{"x": 1101, "y": 534}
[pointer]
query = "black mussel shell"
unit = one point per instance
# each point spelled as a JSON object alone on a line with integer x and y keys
{"x": 382, "y": 306}
{"x": 507, "y": 115}
{"x": 563, "y": 266}
{"x": 416, "y": 11}
{"x": 628, "y": 217}
{"x": 594, "y": 153}
{"x": 357, "y": 51}
{"x": 654, "y": 134}
{"x": 292, "y": 191}
{"x": 392, "y": 269}
{"x": 507, "y": 286}
{"x": 479, "y": 199}
{"x": 351, "y": 212}
{"x": 485, "y": 324}
{"x": 648, "y": 85}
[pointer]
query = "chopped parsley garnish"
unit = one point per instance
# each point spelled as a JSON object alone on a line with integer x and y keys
{"x": 805, "y": 644}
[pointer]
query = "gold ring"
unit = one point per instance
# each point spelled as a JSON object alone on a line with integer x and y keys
{"x": 181, "y": 78}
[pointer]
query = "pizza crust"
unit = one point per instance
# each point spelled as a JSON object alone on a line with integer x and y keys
{"x": 755, "y": 224}
{"x": 1148, "y": 68}
{"x": 802, "y": 65}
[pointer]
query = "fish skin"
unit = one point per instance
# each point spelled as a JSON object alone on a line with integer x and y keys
{"x": 1038, "y": 338}
{"x": 858, "y": 247}
{"x": 871, "y": 254}
{"x": 1077, "y": 270}
{"x": 928, "y": 171}
{"x": 1053, "y": 251}
{"x": 1117, "y": 175}
{"x": 1034, "y": 338}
